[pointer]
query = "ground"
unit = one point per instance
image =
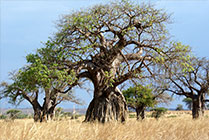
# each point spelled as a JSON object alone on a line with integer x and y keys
{"x": 175, "y": 125}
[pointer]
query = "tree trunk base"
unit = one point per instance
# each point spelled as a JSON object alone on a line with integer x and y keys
{"x": 104, "y": 109}
{"x": 197, "y": 107}
{"x": 43, "y": 116}
{"x": 140, "y": 113}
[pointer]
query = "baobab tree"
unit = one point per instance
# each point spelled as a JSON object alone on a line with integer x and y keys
{"x": 109, "y": 45}
{"x": 37, "y": 80}
{"x": 192, "y": 83}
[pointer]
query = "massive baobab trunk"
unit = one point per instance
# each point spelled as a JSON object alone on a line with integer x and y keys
{"x": 110, "y": 105}
{"x": 197, "y": 106}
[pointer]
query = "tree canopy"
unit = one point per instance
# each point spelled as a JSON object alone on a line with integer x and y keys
{"x": 139, "y": 95}
{"x": 117, "y": 39}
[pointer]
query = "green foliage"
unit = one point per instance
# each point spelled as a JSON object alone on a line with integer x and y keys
{"x": 158, "y": 112}
{"x": 179, "y": 107}
{"x": 13, "y": 113}
{"x": 139, "y": 95}
{"x": 44, "y": 69}
{"x": 67, "y": 114}
{"x": 43, "y": 72}
{"x": 109, "y": 78}
{"x": 182, "y": 55}
{"x": 132, "y": 115}
{"x": 84, "y": 26}
{"x": 172, "y": 116}
{"x": 188, "y": 102}
{"x": 23, "y": 116}
{"x": 3, "y": 117}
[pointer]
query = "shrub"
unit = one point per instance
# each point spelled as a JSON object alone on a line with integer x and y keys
{"x": 22, "y": 116}
{"x": 3, "y": 117}
{"x": 172, "y": 116}
{"x": 179, "y": 107}
{"x": 158, "y": 112}
{"x": 13, "y": 113}
{"x": 75, "y": 116}
{"x": 132, "y": 116}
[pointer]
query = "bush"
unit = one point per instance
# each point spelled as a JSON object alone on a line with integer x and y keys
{"x": 172, "y": 116}
{"x": 3, "y": 117}
{"x": 67, "y": 114}
{"x": 76, "y": 116}
{"x": 13, "y": 113}
{"x": 22, "y": 116}
{"x": 132, "y": 116}
{"x": 179, "y": 107}
{"x": 16, "y": 114}
{"x": 158, "y": 112}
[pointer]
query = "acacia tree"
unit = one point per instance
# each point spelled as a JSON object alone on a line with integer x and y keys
{"x": 192, "y": 83}
{"x": 13, "y": 113}
{"x": 39, "y": 79}
{"x": 140, "y": 97}
{"x": 110, "y": 44}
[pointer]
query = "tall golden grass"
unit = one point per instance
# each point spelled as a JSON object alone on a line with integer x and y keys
{"x": 167, "y": 128}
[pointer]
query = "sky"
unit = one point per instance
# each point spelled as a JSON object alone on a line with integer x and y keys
{"x": 24, "y": 24}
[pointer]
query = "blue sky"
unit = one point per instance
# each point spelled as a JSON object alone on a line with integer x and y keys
{"x": 24, "y": 24}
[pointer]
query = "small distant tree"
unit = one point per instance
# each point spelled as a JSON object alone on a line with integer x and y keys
{"x": 179, "y": 107}
{"x": 139, "y": 98}
{"x": 158, "y": 112}
{"x": 188, "y": 102}
{"x": 13, "y": 113}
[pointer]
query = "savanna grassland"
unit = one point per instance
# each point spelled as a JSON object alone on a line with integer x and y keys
{"x": 175, "y": 125}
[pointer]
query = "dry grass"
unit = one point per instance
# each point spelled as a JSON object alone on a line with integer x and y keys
{"x": 167, "y": 128}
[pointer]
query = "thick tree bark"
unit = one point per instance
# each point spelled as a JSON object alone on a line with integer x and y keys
{"x": 140, "y": 112}
{"x": 106, "y": 107}
{"x": 51, "y": 113}
{"x": 197, "y": 106}
{"x": 37, "y": 113}
{"x": 43, "y": 113}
